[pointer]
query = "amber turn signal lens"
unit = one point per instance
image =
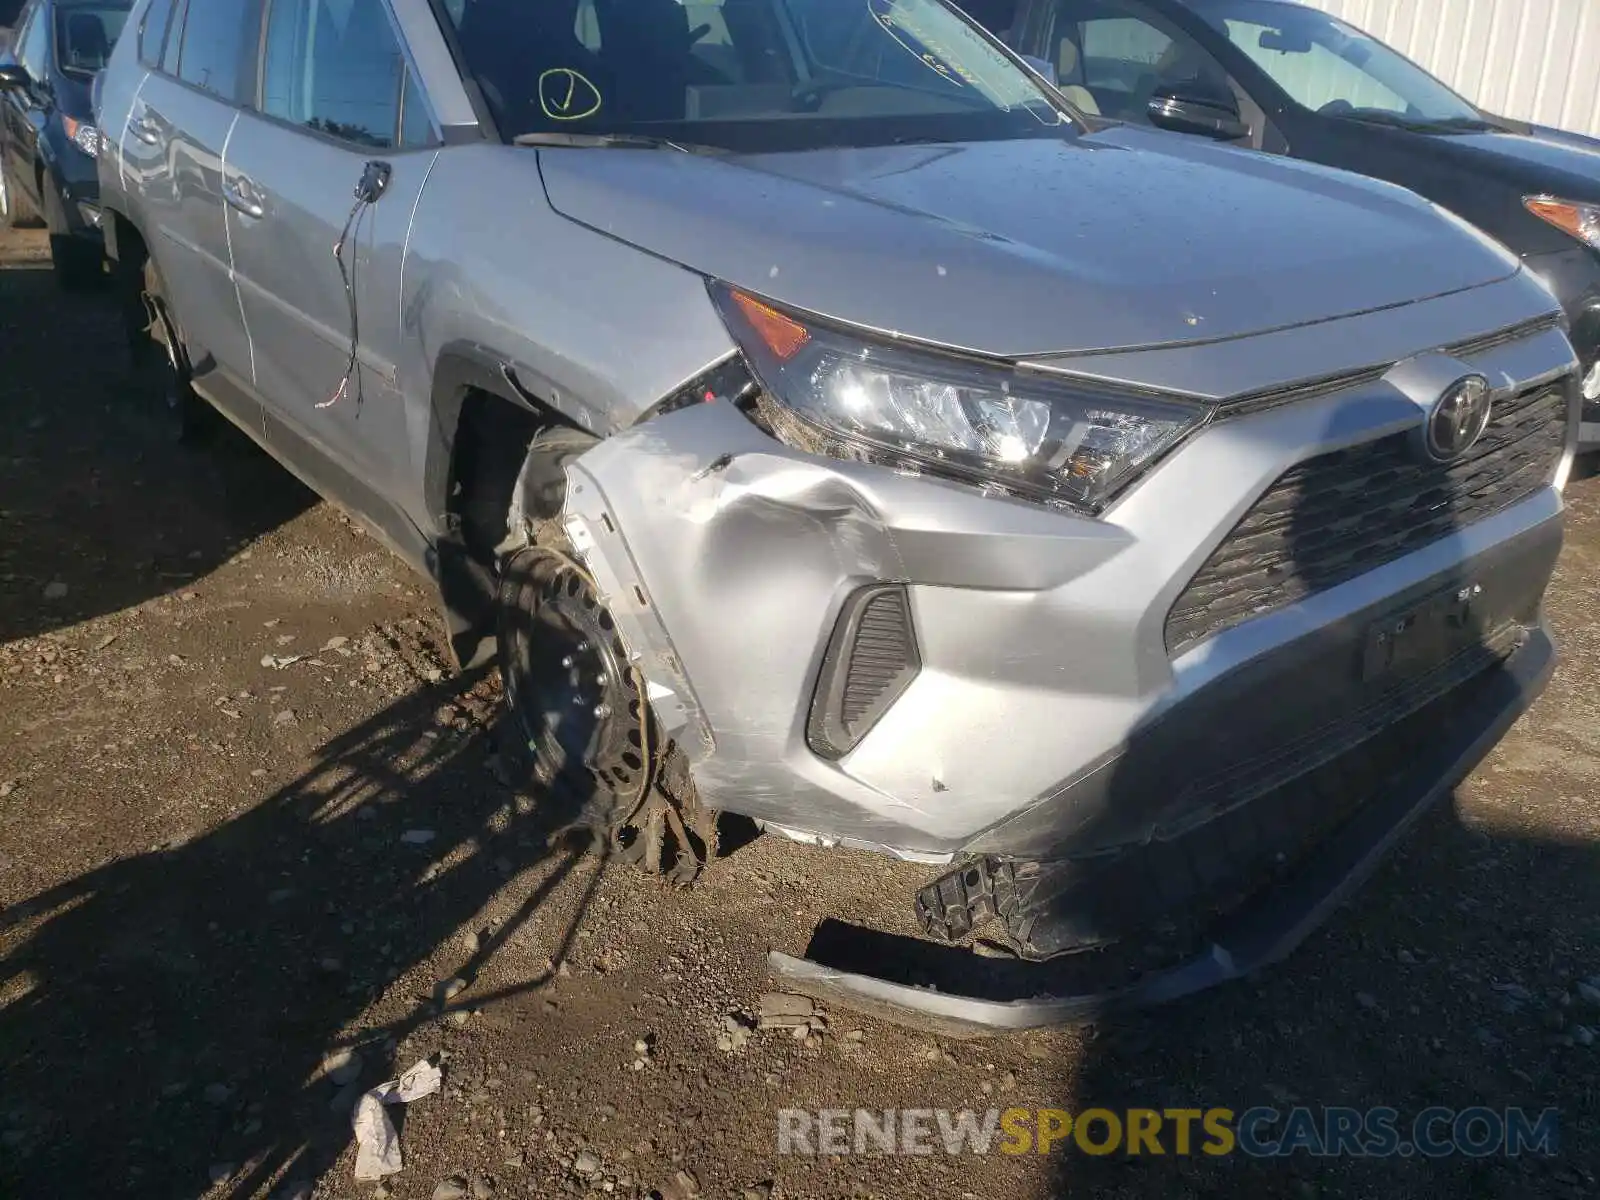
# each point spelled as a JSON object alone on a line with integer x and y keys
{"x": 782, "y": 335}
{"x": 1581, "y": 221}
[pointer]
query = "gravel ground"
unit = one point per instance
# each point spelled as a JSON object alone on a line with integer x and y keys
{"x": 248, "y": 820}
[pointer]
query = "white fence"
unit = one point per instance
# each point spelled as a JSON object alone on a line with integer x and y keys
{"x": 1534, "y": 59}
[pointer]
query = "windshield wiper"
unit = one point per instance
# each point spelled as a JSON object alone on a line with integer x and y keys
{"x": 612, "y": 141}
{"x": 1376, "y": 116}
{"x": 1465, "y": 124}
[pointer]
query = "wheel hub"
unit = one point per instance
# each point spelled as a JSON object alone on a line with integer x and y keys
{"x": 570, "y": 686}
{"x": 581, "y": 707}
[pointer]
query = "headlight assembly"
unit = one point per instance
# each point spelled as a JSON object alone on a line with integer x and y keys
{"x": 846, "y": 396}
{"x": 85, "y": 135}
{"x": 1582, "y": 221}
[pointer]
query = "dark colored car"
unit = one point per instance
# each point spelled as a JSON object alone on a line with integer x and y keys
{"x": 48, "y": 137}
{"x": 1288, "y": 79}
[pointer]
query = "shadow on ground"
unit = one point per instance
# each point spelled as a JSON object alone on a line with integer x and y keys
{"x": 177, "y": 1005}
{"x": 1440, "y": 985}
{"x": 171, "y": 1009}
{"x": 97, "y": 513}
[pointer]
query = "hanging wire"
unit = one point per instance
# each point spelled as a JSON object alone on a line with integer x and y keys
{"x": 352, "y": 229}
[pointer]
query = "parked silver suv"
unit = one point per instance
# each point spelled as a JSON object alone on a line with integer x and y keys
{"x": 827, "y": 424}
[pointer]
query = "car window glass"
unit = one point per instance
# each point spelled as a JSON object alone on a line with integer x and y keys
{"x": 825, "y": 72}
{"x": 153, "y": 31}
{"x": 1116, "y": 58}
{"x": 1111, "y": 42}
{"x": 19, "y": 32}
{"x": 416, "y": 127}
{"x": 1326, "y": 65}
{"x": 169, "y": 56}
{"x": 997, "y": 16}
{"x": 334, "y": 66}
{"x": 714, "y": 43}
{"x": 837, "y": 46}
{"x": 86, "y": 33}
{"x": 34, "y": 46}
{"x": 214, "y": 39}
{"x": 19, "y": 35}
{"x": 1314, "y": 75}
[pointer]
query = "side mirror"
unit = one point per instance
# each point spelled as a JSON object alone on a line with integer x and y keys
{"x": 14, "y": 78}
{"x": 1212, "y": 116}
{"x": 1041, "y": 67}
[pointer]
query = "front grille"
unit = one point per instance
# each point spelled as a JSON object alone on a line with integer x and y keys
{"x": 1338, "y": 516}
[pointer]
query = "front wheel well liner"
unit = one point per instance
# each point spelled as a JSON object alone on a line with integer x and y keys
{"x": 482, "y": 428}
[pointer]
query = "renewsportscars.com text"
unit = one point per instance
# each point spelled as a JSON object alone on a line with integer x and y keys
{"x": 1259, "y": 1132}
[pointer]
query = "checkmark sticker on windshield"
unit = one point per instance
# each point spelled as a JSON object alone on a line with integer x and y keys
{"x": 567, "y": 95}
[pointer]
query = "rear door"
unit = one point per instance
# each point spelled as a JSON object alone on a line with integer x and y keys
{"x": 337, "y": 93}
{"x": 174, "y": 154}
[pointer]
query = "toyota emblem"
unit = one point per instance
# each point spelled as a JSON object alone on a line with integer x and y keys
{"x": 1457, "y": 419}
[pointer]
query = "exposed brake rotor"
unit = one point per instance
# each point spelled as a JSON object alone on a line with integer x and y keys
{"x": 582, "y": 708}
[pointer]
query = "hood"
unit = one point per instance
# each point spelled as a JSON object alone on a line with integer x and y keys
{"x": 1536, "y": 159}
{"x": 1118, "y": 240}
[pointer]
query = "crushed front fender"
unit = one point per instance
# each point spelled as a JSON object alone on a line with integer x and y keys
{"x": 727, "y": 558}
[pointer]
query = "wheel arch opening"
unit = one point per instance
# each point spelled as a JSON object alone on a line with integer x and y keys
{"x": 483, "y": 431}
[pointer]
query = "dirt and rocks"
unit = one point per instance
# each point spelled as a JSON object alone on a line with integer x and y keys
{"x": 258, "y": 853}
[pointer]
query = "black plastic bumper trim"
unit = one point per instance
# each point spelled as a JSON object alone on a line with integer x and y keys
{"x": 871, "y": 659}
{"x": 1264, "y": 931}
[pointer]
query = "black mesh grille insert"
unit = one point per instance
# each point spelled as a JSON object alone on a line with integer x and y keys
{"x": 1333, "y": 518}
{"x": 872, "y": 658}
{"x": 879, "y": 656}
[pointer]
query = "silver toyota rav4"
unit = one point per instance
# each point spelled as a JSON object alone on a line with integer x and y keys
{"x": 827, "y": 424}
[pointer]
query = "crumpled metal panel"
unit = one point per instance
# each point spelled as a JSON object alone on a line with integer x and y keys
{"x": 1041, "y": 632}
{"x": 726, "y": 558}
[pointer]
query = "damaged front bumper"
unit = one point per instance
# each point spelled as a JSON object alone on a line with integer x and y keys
{"x": 1045, "y": 701}
{"x": 953, "y": 992}
{"x": 1008, "y": 657}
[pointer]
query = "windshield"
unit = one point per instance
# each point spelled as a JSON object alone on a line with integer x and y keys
{"x": 1334, "y": 68}
{"x": 747, "y": 74}
{"x": 86, "y": 33}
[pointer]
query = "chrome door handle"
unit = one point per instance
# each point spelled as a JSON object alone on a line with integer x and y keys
{"x": 145, "y": 128}
{"x": 241, "y": 194}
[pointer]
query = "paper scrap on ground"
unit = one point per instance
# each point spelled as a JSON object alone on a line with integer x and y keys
{"x": 377, "y": 1144}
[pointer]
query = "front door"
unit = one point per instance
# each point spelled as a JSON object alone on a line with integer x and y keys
{"x": 335, "y": 86}
{"x": 174, "y": 151}
{"x": 1113, "y": 57}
